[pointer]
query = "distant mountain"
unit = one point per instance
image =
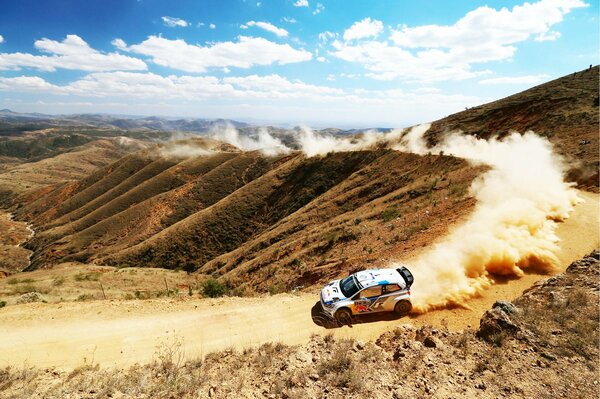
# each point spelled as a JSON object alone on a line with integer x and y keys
{"x": 117, "y": 122}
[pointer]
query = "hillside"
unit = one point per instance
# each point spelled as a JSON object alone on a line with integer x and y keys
{"x": 564, "y": 110}
{"x": 261, "y": 223}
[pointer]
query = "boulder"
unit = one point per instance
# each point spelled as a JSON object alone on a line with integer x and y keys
{"x": 30, "y": 297}
{"x": 498, "y": 320}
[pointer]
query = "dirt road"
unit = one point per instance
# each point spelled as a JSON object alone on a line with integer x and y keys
{"x": 120, "y": 333}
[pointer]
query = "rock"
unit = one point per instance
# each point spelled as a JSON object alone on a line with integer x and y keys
{"x": 304, "y": 357}
{"x": 548, "y": 356}
{"x": 498, "y": 320}
{"x": 30, "y": 297}
{"x": 212, "y": 391}
{"x": 432, "y": 342}
{"x": 481, "y": 386}
{"x": 506, "y": 306}
{"x": 314, "y": 377}
{"x": 359, "y": 345}
{"x": 399, "y": 353}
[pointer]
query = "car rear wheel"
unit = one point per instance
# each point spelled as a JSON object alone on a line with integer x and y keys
{"x": 344, "y": 316}
{"x": 403, "y": 307}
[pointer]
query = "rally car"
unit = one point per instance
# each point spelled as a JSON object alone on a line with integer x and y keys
{"x": 368, "y": 291}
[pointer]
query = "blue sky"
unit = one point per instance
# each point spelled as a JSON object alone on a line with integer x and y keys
{"x": 322, "y": 63}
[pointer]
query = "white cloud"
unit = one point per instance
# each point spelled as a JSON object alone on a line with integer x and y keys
{"x": 318, "y": 8}
{"x": 436, "y": 52}
{"x": 277, "y": 84}
{"x": 289, "y": 20}
{"x": 547, "y": 36}
{"x": 268, "y": 27}
{"x": 515, "y": 80}
{"x": 325, "y": 37}
{"x": 119, "y": 43}
{"x": 150, "y": 85}
{"x": 245, "y": 53}
{"x": 212, "y": 26}
{"x": 264, "y": 97}
{"x": 200, "y": 24}
{"x": 26, "y": 84}
{"x": 72, "y": 53}
{"x": 301, "y": 3}
{"x": 1, "y": 39}
{"x": 321, "y": 59}
{"x": 363, "y": 29}
{"x": 175, "y": 22}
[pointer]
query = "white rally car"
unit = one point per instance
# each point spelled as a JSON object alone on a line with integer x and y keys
{"x": 368, "y": 291}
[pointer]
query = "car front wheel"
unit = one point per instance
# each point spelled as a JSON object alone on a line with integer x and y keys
{"x": 403, "y": 307}
{"x": 344, "y": 316}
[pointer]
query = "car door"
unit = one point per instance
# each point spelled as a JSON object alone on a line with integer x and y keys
{"x": 365, "y": 300}
{"x": 388, "y": 294}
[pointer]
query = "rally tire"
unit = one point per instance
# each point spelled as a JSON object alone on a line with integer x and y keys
{"x": 403, "y": 307}
{"x": 343, "y": 316}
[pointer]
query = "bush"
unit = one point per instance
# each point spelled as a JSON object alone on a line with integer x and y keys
{"x": 213, "y": 288}
{"x": 2, "y": 304}
{"x": 87, "y": 276}
{"x": 390, "y": 214}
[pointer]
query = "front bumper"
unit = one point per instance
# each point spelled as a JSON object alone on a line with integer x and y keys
{"x": 327, "y": 309}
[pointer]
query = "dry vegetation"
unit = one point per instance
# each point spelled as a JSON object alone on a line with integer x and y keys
{"x": 513, "y": 354}
{"x": 78, "y": 282}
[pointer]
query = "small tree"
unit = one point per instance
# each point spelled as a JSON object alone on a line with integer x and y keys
{"x": 213, "y": 288}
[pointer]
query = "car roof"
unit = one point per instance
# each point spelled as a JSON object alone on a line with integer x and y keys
{"x": 369, "y": 278}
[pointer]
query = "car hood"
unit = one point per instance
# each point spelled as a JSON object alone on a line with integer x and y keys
{"x": 332, "y": 293}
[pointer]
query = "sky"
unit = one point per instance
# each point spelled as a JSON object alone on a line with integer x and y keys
{"x": 342, "y": 63}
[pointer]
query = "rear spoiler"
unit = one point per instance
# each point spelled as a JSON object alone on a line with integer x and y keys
{"x": 406, "y": 275}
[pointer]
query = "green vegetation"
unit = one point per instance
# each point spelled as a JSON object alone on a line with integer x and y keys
{"x": 85, "y": 297}
{"x": 2, "y": 304}
{"x": 58, "y": 281}
{"x": 213, "y": 288}
{"x": 14, "y": 281}
{"x": 390, "y": 213}
{"x": 87, "y": 276}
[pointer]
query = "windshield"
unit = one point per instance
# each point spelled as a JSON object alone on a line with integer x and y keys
{"x": 348, "y": 286}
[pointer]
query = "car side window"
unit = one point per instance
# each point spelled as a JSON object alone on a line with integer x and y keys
{"x": 370, "y": 292}
{"x": 387, "y": 289}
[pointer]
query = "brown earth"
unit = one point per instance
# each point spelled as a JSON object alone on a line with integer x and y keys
{"x": 258, "y": 223}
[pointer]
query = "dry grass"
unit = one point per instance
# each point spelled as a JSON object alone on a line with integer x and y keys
{"x": 78, "y": 282}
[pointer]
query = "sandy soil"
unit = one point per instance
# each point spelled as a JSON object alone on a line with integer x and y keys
{"x": 120, "y": 333}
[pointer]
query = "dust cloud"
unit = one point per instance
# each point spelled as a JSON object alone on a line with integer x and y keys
{"x": 263, "y": 142}
{"x": 519, "y": 202}
{"x": 313, "y": 144}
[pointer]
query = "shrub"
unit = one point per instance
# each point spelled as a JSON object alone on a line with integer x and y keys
{"x": 85, "y": 297}
{"x": 58, "y": 281}
{"x": 213, "y": 288}
{"x": 390, "y": 214}
{"x": 87, "y": 276}
{"x": 2, "y": 304}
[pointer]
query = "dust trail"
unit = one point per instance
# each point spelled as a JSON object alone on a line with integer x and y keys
{"x": 184, "y": 150}
{"x": 519, "y": 202}
{"x": 313, "y": 144}
{"x": 263, "y": 142}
